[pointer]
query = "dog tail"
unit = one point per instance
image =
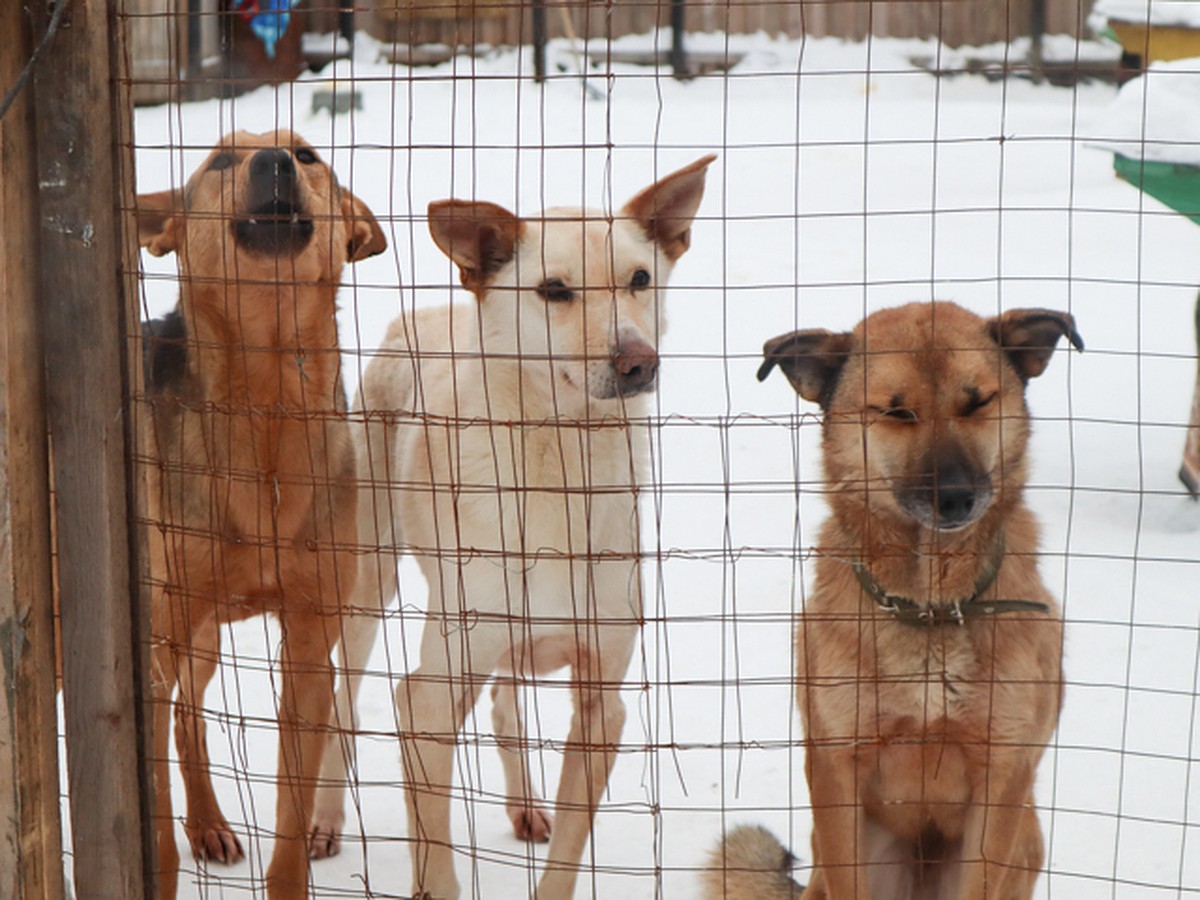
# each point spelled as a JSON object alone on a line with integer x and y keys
{"x": 750, "y": 864}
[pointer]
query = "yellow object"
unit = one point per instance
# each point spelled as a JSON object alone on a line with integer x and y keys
{"x": 1155, "y": 43}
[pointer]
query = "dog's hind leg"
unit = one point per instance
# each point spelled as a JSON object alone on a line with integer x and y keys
{"x": 591, "y": 750}
{"x": 531, "y": 821}
{"x": 208, "y": 832}
{"x": 163, "y": 676}
{"x": 1002, "y": 841}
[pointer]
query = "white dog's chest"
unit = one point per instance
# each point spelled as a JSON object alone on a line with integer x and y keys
{"x": 537, "y": 517}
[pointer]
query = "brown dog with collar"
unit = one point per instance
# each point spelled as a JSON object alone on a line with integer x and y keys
{"x": 251, "y": 467}
{"x": 929, "y": 651}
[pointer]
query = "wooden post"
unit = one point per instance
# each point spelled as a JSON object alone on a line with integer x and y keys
{"x": 679, "y": 64}
{"x": 539, "y": 40}
{"x": 30, "y": 825}
{"x": 84, "y": 145}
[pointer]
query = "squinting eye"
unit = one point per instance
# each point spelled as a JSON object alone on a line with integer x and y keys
{"x": 980, "y": 403}
{"x": 220, "y": 161}
{"x": 895, "y": 413}
{"x": 640, "y": 279}
{"x": 555, "y": 291}
{"x": 306, "y": 155}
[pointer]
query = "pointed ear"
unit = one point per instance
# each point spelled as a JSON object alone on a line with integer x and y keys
{"x": 479, "y": 237}
{"x": 365, "y": 237}
{"x": 1029, "y": 336}
{"x": 157, "y": 220}
{"x": 665, "y": 209}
{"x": 812, "y": 361}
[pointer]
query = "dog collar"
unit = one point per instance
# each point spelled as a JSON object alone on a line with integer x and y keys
{"x": 908, "y": 611}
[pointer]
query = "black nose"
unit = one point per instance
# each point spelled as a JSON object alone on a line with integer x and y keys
{"x": 955, "y": 503}
{"x": 956, "y": 490}
{"x": 273, "y": 169}
{"x": 636, "y": 363}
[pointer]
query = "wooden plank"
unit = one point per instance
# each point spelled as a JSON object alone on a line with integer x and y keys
{"x": 82, "y": 141}
{"x": 30, "y": 824}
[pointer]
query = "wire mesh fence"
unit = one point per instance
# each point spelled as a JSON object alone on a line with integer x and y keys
{"x": 565, "y": 529}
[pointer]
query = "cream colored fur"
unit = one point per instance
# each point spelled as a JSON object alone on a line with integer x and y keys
{"x": 506, "y": 442}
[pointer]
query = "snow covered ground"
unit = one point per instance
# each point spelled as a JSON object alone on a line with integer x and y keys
{"x": 847, "y": 180}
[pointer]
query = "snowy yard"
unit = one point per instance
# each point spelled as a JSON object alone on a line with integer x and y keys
{"x": 847, "y": 180}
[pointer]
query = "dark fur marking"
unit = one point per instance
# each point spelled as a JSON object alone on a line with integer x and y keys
{"x": 164, "y": 353}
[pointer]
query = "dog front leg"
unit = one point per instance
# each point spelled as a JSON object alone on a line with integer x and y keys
{"x": 208, "y": 832}
{"x": 374, "y": 588}
{"x": 840, "y": 847}
{"x": 304, "y": 708}
{"x": 530, "y": 819}
{"x": 591, "y": 751}
{"x": 329, "y": 812}
{"x": 431, "y": 705}
{"x": 1002, "y": 842}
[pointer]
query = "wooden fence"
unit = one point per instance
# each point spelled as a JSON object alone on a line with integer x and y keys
{"x": 175, "y": 52}
{"x": 955, "y": 22}
{"x": 66, "y": 264}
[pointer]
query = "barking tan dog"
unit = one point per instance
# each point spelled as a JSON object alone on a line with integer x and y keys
{"x": 929, "y": 651}
{"x": 252, "y": 471}
{"x": 511, "y": 465}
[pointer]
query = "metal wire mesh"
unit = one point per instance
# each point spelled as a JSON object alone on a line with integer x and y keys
{"x": 864, "y": 159}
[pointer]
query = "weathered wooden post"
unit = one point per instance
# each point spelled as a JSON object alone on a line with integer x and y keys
{"x": 88, "y": 290}
{"x": 30, "y": 826}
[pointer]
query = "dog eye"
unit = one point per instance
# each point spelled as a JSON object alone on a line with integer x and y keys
{"x": 640, "y": 279}
{"x": 895, "y": 413}
{"x": 976, "y": 403}
{"x": 555, "y": 291}
{"x": 220, "y": 161}
{"x": 306, "y": 155}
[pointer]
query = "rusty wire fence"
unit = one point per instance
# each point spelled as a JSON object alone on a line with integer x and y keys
{"x": 537, "y": 572}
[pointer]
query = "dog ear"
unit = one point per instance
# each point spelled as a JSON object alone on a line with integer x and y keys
{"x": 812, "y": 361}
{"x": 157, "y": 220}
{"x": 1029, "y": 336}
{"x": 366, "y": 238}
{"x": 665, "y": 209}
{"x": 479, "y": 237}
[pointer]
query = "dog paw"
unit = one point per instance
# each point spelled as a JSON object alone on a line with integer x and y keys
{"x": 531, "y": 823}
{"x": 215, "y": 843}
{"x": 323, "y": 842}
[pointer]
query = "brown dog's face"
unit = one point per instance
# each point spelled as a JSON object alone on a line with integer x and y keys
{"x": 925, "y": 418}
{"x": 576, "y": 291}
{"x": 261, "y": 198}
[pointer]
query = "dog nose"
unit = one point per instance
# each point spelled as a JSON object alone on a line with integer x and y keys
{"x": 636, "y": 363}
{"x": 273, "y": 167}
{"x": 955, "y": 493}
{"x": 955, "y": 503}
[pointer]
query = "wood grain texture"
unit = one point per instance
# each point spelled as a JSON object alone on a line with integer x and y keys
{"x": 85, "y": 260}
{"x": 30, "y": 823}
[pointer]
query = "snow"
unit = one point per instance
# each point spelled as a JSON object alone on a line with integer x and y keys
{"x": 1154, "y": 117}
{"x": 848, "y": 180}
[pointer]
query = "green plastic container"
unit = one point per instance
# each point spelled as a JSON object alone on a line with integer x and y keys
{"x": 1175, "y": 184}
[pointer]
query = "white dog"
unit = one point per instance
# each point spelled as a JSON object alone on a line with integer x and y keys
{"x": 504, "y": 451}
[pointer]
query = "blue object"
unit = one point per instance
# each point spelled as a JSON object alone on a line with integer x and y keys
{"x": 268, "y": 19}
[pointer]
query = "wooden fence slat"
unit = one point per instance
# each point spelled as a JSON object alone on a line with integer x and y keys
{"x": 964, "y": 22}
{"x": 83, "y": 130}
{"x": 30, "y": 824}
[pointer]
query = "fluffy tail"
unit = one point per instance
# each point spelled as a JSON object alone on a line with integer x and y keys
{"x": 750, "y": 864}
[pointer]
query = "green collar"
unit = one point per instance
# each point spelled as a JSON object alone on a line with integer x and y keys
{"x": 955, "y": 612}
